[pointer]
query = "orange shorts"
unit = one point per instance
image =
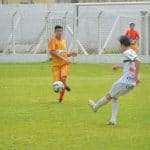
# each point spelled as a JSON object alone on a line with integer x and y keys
{"x": 59, "y": 72}
{"x": 134, "y": 46}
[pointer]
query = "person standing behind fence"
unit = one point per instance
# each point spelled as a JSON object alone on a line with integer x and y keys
{"x": 134, "y": 36}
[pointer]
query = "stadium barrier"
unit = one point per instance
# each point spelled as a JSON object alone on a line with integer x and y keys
{"x": 92, "y": 30}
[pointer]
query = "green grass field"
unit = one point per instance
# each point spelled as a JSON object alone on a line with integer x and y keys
{"x": 31, "y": 118}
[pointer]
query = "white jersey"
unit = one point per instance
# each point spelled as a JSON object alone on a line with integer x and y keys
{"x": 129, "y": 67}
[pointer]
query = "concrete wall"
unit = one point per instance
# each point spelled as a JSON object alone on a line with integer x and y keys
{"x": 60, "y": 1}
{"x": 26, "y": 1}
{"x": 91, "y": 59}
{"x": 33, "y": 21}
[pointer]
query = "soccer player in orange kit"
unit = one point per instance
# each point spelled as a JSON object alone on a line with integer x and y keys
{"x": 134, "y": 37}
{"x": 57, "y": 46}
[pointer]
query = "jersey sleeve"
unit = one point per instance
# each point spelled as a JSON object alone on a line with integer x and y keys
{"x": 131, "y": 55}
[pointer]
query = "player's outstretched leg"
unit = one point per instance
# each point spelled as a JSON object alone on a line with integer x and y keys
{"x": 114, "y": 113}
{"x": 95, "y": 105}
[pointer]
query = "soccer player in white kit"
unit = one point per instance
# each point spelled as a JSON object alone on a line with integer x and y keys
{"x": 126, "y": 83}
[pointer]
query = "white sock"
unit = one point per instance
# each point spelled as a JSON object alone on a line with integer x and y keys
{"x": 115, "y": 106}
{"x": 101, "y": 102}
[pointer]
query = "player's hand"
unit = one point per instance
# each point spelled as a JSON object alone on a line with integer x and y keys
{"x": 60, "y": 52}
{"x": 115, "y": 67}
{"x": 66, "y": 61}
{"x": 73, "y": 54}
{"x": 133, "y": 41}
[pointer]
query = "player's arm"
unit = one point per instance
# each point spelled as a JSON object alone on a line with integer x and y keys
{"x": 136, "y": 39}
{"x": 117, "y": 66}
{"x": 137, "y": 36}
{"x": 72, "y": 54}
{"x": 56, "y": 53}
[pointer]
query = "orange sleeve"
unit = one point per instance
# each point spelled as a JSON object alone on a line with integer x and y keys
{"x": 51, "y": 45}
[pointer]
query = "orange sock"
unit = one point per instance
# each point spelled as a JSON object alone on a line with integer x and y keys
{"x": 62, "y": 94}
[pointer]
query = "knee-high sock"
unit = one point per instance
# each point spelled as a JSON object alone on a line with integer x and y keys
{"x": 62, "y": 93}
{"x": 101, "y": 102}
{"x": 61, "y": 96}
{"x": 115, "y": 107}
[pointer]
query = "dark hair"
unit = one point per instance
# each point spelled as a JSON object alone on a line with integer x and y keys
{"x": 132, "y": 24}
{"x": 58, "y": 27}
{"x": 124, "y": 40}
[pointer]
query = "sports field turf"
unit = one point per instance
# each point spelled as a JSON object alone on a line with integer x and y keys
{"x": 31, "y": 118}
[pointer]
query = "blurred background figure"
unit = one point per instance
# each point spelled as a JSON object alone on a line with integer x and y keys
{"x": 134, "y": 36}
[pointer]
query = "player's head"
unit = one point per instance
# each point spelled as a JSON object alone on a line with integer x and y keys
{"x": 132, "y": 25}
{"x": 58, "y": 31}
{"x": 124, "y": 42}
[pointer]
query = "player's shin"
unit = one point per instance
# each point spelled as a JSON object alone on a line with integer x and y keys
{"x": 115, "y": 107}
{"x": 62, "y": 93}
{"x": 102, "y": 101}
{"x": 61, "y": 96}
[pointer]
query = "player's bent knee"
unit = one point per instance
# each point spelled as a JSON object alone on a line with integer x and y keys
{"x": 115, "y": 98}
{"x": 109, "y": 97}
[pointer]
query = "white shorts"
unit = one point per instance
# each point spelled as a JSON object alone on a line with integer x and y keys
{"x": 119, "y": 89}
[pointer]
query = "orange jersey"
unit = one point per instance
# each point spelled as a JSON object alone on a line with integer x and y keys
{"x": 59, "y": 45}
{"x": 132, "y": 34}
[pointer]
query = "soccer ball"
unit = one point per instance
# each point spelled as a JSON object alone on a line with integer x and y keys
{"x": 58, "y": 86}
